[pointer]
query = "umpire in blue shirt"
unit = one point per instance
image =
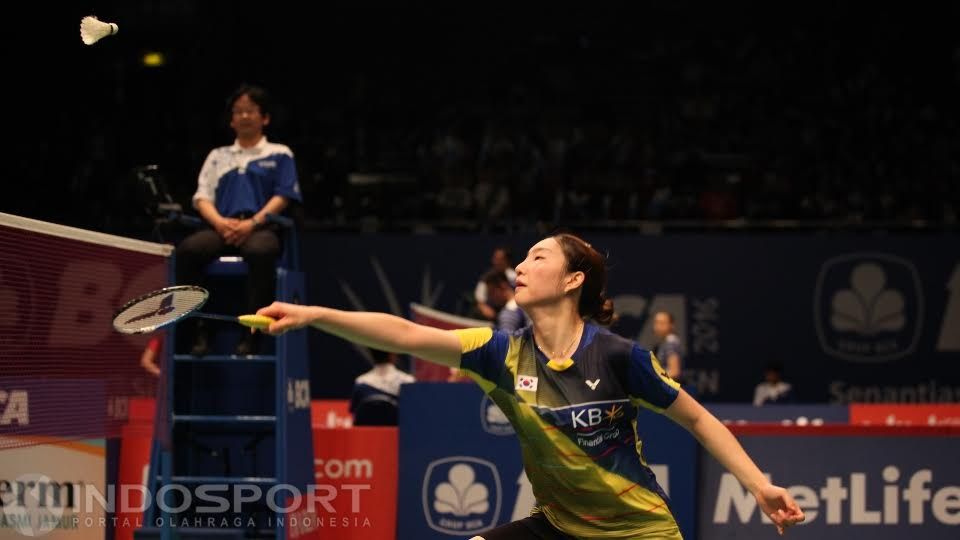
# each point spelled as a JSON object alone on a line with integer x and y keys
{"x": 238, "y": 186}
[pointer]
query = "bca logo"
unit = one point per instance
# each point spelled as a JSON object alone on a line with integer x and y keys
{"x": 868, "y": 307}
{"x": 14, "y": 407}
{"x": 461, "y": 495}
{"x": 492, "y": 418}
{"x": 298, "y": 394}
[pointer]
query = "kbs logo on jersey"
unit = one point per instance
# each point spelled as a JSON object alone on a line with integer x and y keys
{"x": 587, "y": 417}
{"x": 596, "y": 424}
{"x": 868, "y": 307}
{"x": 461, "y": 495}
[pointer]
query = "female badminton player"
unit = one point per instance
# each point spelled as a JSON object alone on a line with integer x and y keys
{"x": 571, "y": 389}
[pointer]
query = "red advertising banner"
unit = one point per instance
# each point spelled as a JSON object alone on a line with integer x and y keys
{"x": 893, "y": 414}
{"x": 135, "y": 440}
{"x": 356, "y": 478}
{"x": 330, "y": 413}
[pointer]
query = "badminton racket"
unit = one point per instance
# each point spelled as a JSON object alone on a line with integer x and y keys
{"x": 169, "y": 305}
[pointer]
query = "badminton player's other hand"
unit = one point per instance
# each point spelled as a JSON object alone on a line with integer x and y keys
{"x": 288, "y": 317}
{"x": 780, "y": 506}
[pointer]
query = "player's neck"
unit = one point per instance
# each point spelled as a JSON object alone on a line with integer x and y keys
{"x": 555, "y": 326}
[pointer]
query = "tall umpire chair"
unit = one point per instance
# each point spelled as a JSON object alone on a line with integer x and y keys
{"x": 229, "y": 420}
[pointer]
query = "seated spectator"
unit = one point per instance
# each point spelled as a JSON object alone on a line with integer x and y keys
{"x": 773, "y": 389}
{"x": 510, "y": 317}
{"x": 374, "y": 399}
{"x": 500, "y": 262}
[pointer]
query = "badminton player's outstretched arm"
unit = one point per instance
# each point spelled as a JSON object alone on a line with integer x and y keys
{"x": 375, "y": 330}
{"x": 717, "y": 439}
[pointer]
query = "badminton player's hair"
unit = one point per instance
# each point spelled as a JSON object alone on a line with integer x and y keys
{"x": 256, "y": 94}
{"x": 581, "y": 257}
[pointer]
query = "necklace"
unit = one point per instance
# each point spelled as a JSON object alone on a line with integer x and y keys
{"x": 560, "y": 355}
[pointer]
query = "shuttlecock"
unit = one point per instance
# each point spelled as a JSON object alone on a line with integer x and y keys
{"x": 93, "y": 30}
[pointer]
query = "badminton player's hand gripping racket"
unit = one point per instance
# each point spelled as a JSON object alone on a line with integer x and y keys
{"x": 166, "y": 306}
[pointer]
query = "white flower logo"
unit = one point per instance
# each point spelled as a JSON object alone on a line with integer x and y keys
{"x": 460, "y": 496}
{"x": 867, "y": 308}
{"x": 496, "y": 416}
{"x": 492, "y": 418}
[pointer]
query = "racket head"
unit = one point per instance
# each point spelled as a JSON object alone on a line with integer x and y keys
{"x": 159, "y": 308}
{"x": 260, "y": 322}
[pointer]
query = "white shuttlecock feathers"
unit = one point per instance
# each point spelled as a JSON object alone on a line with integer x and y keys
{"x": 93, "y": 30}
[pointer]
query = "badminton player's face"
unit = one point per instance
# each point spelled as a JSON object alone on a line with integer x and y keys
{"x": 540, "y": 277}
{"x": 246, "y": 118}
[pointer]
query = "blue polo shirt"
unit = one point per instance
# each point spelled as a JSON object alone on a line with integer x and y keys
{"x": 241, "y": 180}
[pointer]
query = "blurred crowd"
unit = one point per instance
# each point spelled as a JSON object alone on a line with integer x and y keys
{"x": 796, "y": 128}
{"x": 839, "y": 117}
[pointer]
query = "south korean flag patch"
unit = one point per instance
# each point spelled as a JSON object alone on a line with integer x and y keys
{"x": 526, "y": 382}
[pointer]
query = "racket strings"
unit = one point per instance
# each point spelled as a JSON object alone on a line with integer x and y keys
{"x": 158, "y": 308}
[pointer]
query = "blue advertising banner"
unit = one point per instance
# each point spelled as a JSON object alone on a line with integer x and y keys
{"x": 460, "y": 469}
{"x": 878, "y": 487}
{"x": 851, "y": 318}
{"x": 671, "y": 453}
{"x": 461, "y": 472}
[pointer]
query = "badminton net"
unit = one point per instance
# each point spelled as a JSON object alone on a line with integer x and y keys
{"x": 64, "y": 372}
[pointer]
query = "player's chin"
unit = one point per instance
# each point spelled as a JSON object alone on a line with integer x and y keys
{"x": 522, "y": 296}
{"x": 526, "y": 299}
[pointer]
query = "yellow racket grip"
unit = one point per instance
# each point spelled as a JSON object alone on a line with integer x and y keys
{"x": 260, "y": 322}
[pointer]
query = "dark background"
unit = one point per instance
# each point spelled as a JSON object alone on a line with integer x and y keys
{"x": 826, "y": 113}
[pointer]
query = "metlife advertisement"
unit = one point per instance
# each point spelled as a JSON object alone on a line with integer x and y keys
{"x": 877, "y": 487}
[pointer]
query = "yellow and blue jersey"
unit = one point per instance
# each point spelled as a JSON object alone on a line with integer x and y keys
{"x": 577, "y": 427}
